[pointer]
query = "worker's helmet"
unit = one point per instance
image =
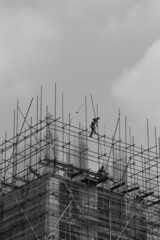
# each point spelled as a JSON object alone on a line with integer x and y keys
{"x": 95, "y": 119}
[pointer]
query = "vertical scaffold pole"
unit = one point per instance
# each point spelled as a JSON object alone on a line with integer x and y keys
{"x": 119, "y": 147}
{"x": 41, "y": 98}
{"x": 98, "y": 142}
{"x": 24, "y": 166}
{"x": 55, "y": 123}
{"x": 142, "y": 160}
{"x": 69, "y": 129}
{"x": 30, "y": 159}
{"x": 134, "y": 167}
{"x": 62, "y": 127}
{"x": 79, "y": 146}
{"x": 110, "y": 220}
{"x": 86, "y": 124}
{"x": 130, "y": 143}
{"x": 125, "y": 164}
{"x": 155, "y": 130}
{"x": 5, "y": 153}
{"x": 55, "y": 102}
{"x": 104, "y": 161}
{"x": 158, "y": 164}
{"x": 14, "y": 133}
{"x": 16, "y": 150}
{"x": 148, "y": 153}
{"x": 37, "y": 134}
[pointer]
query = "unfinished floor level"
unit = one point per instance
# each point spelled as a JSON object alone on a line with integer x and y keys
{"x": 56, "y": 207}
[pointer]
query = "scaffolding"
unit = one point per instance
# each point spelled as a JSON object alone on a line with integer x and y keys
{"x": 50, "y": 186}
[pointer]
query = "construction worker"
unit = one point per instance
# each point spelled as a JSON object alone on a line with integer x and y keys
{"x": 93, "y": 126}
{"x": 101, "y": 172}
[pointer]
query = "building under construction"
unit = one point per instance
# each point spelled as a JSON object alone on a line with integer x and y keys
{"x": 51, "y": 186}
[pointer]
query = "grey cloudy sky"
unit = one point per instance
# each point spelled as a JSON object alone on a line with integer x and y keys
{"x": 108, "y": 48}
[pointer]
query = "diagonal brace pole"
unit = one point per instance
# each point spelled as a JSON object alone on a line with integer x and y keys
{"x": 26, "y": 217}
{"x": 51, "y": 233}
{"x": 78, "y": 207}
{"x": 129, "y": 221}
{"x": 14, "y": 147}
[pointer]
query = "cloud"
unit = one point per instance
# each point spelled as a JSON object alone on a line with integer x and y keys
{"x": 37, "y": 35}
{"x": 27, "y": 39}
{"x": 137, "y": 90}
{"x": 82, "y": 45}
{"x": 141, "y": 17}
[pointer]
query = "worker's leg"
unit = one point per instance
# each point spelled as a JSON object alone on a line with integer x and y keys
{"x": 94, "y": 131}
{"x": 91, "y": 132}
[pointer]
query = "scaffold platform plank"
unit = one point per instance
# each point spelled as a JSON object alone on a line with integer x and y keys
{"x": 153, "y": 203}
{"x": 89, "y": 181}
{"x": 117, "y": 186}
{"x": 147, "y": 194}
{"x": 130, "y": 190}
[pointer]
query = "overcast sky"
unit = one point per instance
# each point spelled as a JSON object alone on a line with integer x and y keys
{"x": 107, "y": 48}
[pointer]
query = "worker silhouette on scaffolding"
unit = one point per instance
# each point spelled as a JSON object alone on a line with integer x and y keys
{"x": 93, "y": 125}
{"x": 101, "y": 172}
